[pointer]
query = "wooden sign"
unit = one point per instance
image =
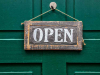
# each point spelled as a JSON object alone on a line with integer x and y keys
{"x": 53, "y": 35}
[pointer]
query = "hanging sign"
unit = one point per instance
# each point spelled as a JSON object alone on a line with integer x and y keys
{"x": 53, "y": 35}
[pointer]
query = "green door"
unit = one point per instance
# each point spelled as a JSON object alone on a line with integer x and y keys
{"x": 14, "y": 60}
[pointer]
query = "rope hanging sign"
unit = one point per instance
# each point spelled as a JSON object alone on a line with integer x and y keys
{"x": 53, "y": 35}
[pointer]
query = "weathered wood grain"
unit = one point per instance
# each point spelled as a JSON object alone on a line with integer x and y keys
{"x": 34, "y": 43}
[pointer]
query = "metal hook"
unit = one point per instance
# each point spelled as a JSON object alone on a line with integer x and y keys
{"x": 53, "y": 5}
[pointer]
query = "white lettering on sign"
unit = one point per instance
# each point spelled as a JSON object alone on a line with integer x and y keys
{"x": 49, "y": 32}
{"x": 69, "y": 35}
{"x": 35, "y": 33}
{"x": 56, "y": 35}
{"x": 46, "y": 33}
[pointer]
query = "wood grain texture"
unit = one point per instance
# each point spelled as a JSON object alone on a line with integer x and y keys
{"x": 51, "y": 45}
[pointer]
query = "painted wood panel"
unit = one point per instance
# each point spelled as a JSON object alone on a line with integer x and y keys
{"x": 15, "y": 73}
{"x": 20, "y": 69}
{"x": 83, "y": 69}
{"x": 13, "y": 12}
{"x": 88, "y": 12}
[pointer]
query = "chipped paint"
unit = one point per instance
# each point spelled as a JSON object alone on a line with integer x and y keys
{"x": 52, "y": 46}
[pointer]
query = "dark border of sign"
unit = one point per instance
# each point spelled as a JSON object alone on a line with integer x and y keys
{"x": 28, "y": 46}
